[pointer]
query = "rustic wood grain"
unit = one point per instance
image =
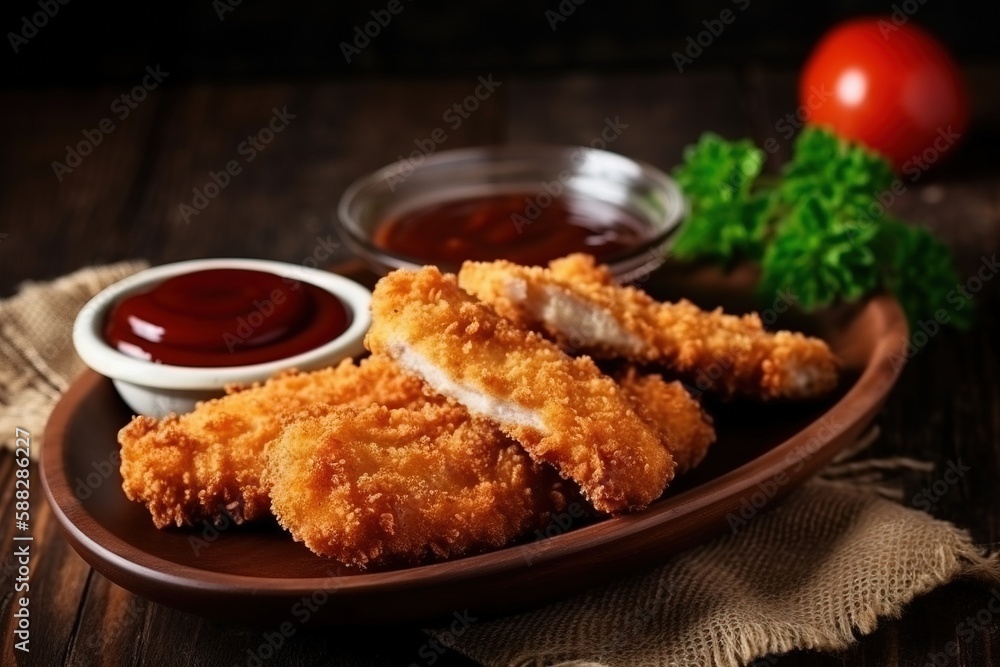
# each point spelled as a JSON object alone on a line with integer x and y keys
{"x": 663, "y": 113}
{"x": 53, "y": 225}
{"x": 123, "y": 200}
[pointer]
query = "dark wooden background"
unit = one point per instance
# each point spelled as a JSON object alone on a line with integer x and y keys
{"x": 122, "y": 202}
{"x": 93, "y": 43}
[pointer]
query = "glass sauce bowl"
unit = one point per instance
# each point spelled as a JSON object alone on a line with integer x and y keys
{"x": 540, "y": 176}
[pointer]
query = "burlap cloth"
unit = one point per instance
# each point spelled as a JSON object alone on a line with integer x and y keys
{"x": 37, "y": 359}
{"x": 813, "y": 573}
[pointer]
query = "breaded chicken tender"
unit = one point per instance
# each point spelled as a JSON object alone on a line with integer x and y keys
{"x": 373, "y": 486}
{"x": 563, "y": 411}
{"x": 668, "y": 405}
{"x": 577, "y": 304}
{"x": 208, "y": 463}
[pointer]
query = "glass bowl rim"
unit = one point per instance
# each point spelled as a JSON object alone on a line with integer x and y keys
{"x": 362, "y": 242}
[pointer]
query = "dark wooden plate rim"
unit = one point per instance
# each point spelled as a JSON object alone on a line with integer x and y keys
{"x": 855, "y": 409}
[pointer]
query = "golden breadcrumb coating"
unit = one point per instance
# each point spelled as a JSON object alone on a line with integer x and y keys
{"x": 579, "y": 267}
{"x": 206, "y": 464}
{"x": 688, "y": 428}
{"x": 576, "y": 303}
{"x": 563, "y": 411}
{"x": 373, "y": 486}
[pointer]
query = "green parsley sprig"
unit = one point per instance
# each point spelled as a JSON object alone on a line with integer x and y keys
{"x": 818, "y": 231}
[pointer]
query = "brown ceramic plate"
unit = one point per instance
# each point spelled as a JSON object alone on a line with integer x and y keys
{"x": 259, "y": 574}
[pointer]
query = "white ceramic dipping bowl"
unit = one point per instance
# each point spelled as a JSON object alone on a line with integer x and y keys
{"x": 156, "y": 389}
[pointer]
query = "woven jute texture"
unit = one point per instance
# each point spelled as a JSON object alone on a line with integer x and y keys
{"x": 825, "y": 564}
{"x": 822, "y": 567}
{"x": 37, "y": 359}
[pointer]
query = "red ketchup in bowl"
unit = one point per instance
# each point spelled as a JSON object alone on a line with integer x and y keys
{"x": 511, "y": 226}
{"x": 225, "y": 317}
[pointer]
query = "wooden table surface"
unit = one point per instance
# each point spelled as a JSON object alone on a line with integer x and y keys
{"x": 123, "y": 201}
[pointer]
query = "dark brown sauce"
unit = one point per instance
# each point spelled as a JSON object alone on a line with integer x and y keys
{"x": 225, "y": 317}
{"x": 524, "y": 227}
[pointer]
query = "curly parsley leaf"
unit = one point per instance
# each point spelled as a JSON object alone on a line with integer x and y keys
{"x": 724, "y": 231}
{"x": 921, "y": 276}
{"x": 820, "y": 257}
{"x": 820, "y": 231}
{"x": 726, "y": 222}
{"x": 716, "y": 170}
{"x": 844, "y": 177}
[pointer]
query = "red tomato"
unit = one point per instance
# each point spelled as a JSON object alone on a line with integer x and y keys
{"x": 892, "y": 87}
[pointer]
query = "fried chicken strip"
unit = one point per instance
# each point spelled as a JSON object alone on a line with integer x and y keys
{"x": 563, "y": 411}
{"x": 207, "y": 464}
{"x": 577, "y": 304}
{"x": 375, "y": 486}
{"x": 668, "y": 405}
